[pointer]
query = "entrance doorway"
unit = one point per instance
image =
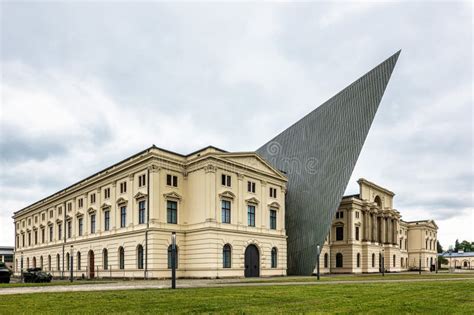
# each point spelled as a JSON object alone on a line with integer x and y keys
{"x": 90, "y": 267}
{"x": 252, "y": 261}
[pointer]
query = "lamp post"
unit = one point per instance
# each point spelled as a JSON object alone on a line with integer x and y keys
{"x": 71, "y": 267}
{"x": 173, "y": 260}
{"x": 319, "y": 253}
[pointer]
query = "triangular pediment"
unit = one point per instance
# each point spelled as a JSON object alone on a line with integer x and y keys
{"x": 79, "y": 214}
{"x": 253, "y": 161}
{"x": 140, "y": 195}
{"x": 121, "y": 200}
{"x": 274, "y": 205}
{"x": 91, "y": 210}
{"x": 105, "y": 205}
{"x": 227, "y": 194}
{"x": 172, "y": 195}
{"x": 252, "y": 200}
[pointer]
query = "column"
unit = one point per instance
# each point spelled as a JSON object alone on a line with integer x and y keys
{"x": 240, "y": 204}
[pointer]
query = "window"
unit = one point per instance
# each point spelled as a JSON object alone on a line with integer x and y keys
{"x": 58, "y": 264}
{"x": 358, "y": 260}
{"x": 341, "y": 214}
{"x": 92, "y": 223}
{"x": 36, "y": 237}
{"x": 273, "y": 192}
{"x": 42, "y": 236}
{"x": 68, "y": 261}
{"x": 339, "y": 260}
{"x": 121, "y": 258}
{"x": 227, "y": 256}
{"x": 80, "y": 226}
{"x": 80, "y": 202}
{"x": 36, "y": 219}
{"x": 78, "y": 260}
{"x": 60, "y": 230}
{"x": 273, "y": 219}
{"x": 69, "y": 206}
{"x": 394, "y": 261}
{"x": 23, "y": 240}
{"x": 251, "y": 215}
{"x": 172, "y": 212}
{"x": 172, "y": 180}
{"x": 50, "y": 234}
{"x": 106, "y": 193}
{"x": 140, "y": 257}
{"x": 105, "y": 258}
{"x": 357, "y": 233}
{"x": 251, "y": 187}
{"x": 170, "y": 257}
{"x": 60, "y": 212}
{"x": 69, "y": 229}
{"x": 141, "y": 180}
{"x": 92, "y": 198}
{"x": 373, "y": 260}
{"x": 49, "y": 262}
{"x": 225, "y": 211}
{"x": 339, "y": 233}
{"x": 226, "y": 180}
{"x": 401, "y": 243}
{"x": 123, "y": 187}
{"x": 106, "y": 220}
{"x": 123, "y": 216}
{"x": 274, "y": 257}
{"x": 141, "y": 212}
{"x": 43, "y": 216}
{"x": 326, "y": 258}
{"x": 357, "y": 214}
{"x": 17, "y": 241}
{"x": 29, "y": 238}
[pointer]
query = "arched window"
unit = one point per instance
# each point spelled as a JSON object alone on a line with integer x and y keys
{"x": 394, "y": 260}
{"x": 41, "y": 262}
{"x": 274, "y": 257}
{"x": 34, "y": 262}
{"x": 105, "y": 259}
{"x": 326, "y": 260}
{"x": 339, "y": 260}
{"x": 378, "y": 201}
{"x": 170, "y": 259}
{"x": 121, "y": 258}
{"x": 78, "y": 260}
{"x": 227, "y": 256}
{"x": 58, "y": 262}
{"x": 358, "y": 260}
{"x": 67, "y": 261}
{"x": 49, "y": 262}
{"x": 426, "y": 245}
{"x": 373, "y": 260}
{"x": 140, "y": 257}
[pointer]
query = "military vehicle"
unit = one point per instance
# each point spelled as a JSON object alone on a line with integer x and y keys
{"x": 36, "y": 275}
{"x": 5, "y": 273}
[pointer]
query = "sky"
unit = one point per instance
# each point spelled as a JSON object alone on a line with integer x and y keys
{"x": 86, "y": 84}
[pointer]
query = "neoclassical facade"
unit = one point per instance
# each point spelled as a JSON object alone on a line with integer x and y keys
{"x": 227, "y": 209}
{"x": 367, "y": 231}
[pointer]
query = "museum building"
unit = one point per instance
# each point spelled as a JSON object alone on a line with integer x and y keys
{"x": 227, "y": 209}
{"x": 367, "y": 232}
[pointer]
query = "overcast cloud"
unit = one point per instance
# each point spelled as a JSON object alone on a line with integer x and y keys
{"x": 86, "y": 84}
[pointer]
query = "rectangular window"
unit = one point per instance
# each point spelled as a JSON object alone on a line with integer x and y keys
{"x": 80, "y": 202}
{"x": 106, "y": 193}
{"x": 42, "y": 236}
{"x": 141, "y": 212}
{"x": 357, "y": 233}
{"x": 60, "y": 212}
{"x": 273, "y": 219}
{"x": 251, "y": 187}
{"x": 93, "y": 198}
{"x": 69, "y": 206}
{"x": 80, "y": 228}
{"x": 50, "y": 234}
{"x": 23, "y": 240}
{"x": 273, "y": 192}
{"x": 42, "y": 216}
{"x": 36, "y": 219}
{"x": 69, "y": 229}
{"x": 29, "y": 238}
{"x": 172, "y": 180}
{"x": 92, "y": 223}
{"x": 36, "y": 237}
{"x": 123, "y": 187}
{"x": 141, "y": 180}
{"x": 251, "y": 215}
{"x": 106, "y": 220}
{"x": 123, "y": 216}
{"x": 341, "y": 214}
{"x": 339, "y": 233}
{"x": 172, "y": 212}
{"x": 337, "y": 215}
{"x": 226, "y": 180}
{"x": 225, "y": 211}
{"x": 60, "y": 231}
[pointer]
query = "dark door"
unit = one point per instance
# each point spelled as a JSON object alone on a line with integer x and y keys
{"x": 91, "y": 265}
{"x": 252, "y": 261}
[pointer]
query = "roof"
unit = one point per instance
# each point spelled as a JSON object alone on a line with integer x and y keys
{"x": 454, "y": 254}
{"x": 352, "y": 196}
{"x": 6, "y": 250}
{"x": 374, "y": 185}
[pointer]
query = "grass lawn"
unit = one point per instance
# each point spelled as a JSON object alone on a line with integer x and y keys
{"x": 52, "y": 283}
{"x": 445, "y": 297}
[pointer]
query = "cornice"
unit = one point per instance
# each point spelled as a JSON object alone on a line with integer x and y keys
{"x": 227, "y": 194}
{"x": 252, "y": 200}
{"x": 172, "y": 195}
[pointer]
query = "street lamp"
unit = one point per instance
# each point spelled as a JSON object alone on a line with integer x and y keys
{"x": 173, "y": 260}
{"x": 319, "y": 252}
{"x": 71, "y": 267}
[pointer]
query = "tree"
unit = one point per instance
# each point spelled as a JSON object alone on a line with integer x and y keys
{"x": 466, "y": 246}
{"x": 456, "y": 245}
{"x": 439, "y": 247}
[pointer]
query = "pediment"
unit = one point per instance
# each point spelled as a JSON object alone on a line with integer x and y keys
{"x": 252, "y": 200}
{"x": 105, "y": 205}
{"x": 42, "y": 225}
{"x": 122, "y": 200}
{"x": 68, "y": 217}
{"x": 140, "y": 195}
{"x": 59, "y": 220}
{"x": 91, "y": 210}
{"x": 227, "y": 194}
{"x": 172, "y": 195}
{"x": 275, "y": 205}
{"x": 79, "y": 214}
{"x": 252, "y": 160}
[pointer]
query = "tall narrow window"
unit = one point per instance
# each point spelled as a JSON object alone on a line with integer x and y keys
{"x": 106, "y": 193}
{"x": 357, "y": 233}
{"x": 141, "y": 180}
{"x": 80, "y": 226}
{"x": 121, "y": 258}
{"x": 339, "y": 233}
{"x": 68, "y": 261}
{"x": 339, "y": 260}
{"x": 69, "y": 229}
{"x": 251, "y": 215}
{"x": 273, "y": 219}
{"x": 80, "y": 202}
{"x": 105, "y": 258}
{"x": 141, "y": 212}
{"x": 225, "y": 211}
{"x": 123, "y": 216}
{"x": 92, "y": 198}
{"x": 227, "y": 256}
{"x": 58, "y": 262}
{"x": 273, "y": 192}
{"x": 36, "y": 237}
{"x": 172, "y": 212}
{"x": 106, "y": 220}
{"x": 49, "y": 263}
{"x": 123, "y": 187}
{"x": 394, "y": 260}
{"x": 373, "y": 260}
{"x": 78, "y": 260}
{"x": 251, "y": 187}
{"x": 326, "y": 260}
{"x": 92, "y": 223}
{"x": 42, "y": 236}
{"x": 60, "y": 231}
{"x": 170, "y": 257}
{"x": 172, "y": 180}
{"x": 358, "y": 260}
{"x": 274, "y": 257}
{"x": 50, "y": 234}
{"x": 226, "y": 180}
{"x": 140, "y": 257}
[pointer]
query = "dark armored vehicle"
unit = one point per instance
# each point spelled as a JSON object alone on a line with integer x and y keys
{"x": 36, "y": 275}
{"x": 5, "y": 273}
